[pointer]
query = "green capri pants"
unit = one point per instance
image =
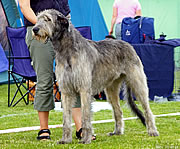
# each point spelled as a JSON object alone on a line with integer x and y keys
{"x": 42, "y": 55}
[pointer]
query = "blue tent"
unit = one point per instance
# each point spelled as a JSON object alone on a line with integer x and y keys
{"x": 88, "y": 13}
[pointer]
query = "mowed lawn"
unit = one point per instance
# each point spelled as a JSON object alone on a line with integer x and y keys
{"x": 135, "y": 136}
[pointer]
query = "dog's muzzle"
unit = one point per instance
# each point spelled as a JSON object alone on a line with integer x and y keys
{"x": 36, "y": 30}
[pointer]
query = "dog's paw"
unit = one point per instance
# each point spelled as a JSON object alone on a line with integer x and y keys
{"x": 115, "y": 133}
{"x": 62, "y": 141}
{"x": 153, "y": 133}
{"x": 85, "y": 142}
{"x": 111, "y": 134}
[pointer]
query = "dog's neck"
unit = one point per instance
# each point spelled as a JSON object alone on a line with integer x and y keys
{"x": 66, "y": 44}
{"x": 65, "y": 39}
{"x": 59, "y": 41}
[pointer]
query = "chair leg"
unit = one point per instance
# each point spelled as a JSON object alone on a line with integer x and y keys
{"x": 9, "y": 74}
{"x": 18, "y": 85}
{"x": 29, "y": 92}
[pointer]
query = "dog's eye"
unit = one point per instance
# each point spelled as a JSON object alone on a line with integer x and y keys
{"x": 48, "y": 19}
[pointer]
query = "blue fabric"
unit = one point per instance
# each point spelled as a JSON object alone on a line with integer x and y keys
{"x": 85, "y": 31}
{"x": 19, "y": 48}
{"x": 146, "y": 29}
{"x": 3, "y": 60}
{"x": 158, "y": 61}
{"x": 170, "y": 42}
{"x": 136, "y": 30}
{"x": 88, "y": 13}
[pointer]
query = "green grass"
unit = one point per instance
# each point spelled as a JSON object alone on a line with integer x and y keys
{"x": 135, "y": 133}
{"x": 177, "y": 82}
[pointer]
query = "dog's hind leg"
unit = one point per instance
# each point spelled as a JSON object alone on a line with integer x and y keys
{"x": 86, "y": 99}
{"x": 112, "y": 94}
{"x": 136, "y": 80}
{"x": 67, "y": 114}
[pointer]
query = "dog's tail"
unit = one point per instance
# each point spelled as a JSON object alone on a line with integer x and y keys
{"x": 134, "y": 107}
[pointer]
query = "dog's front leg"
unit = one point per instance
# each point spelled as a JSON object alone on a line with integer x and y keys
{"x": 67, "y": 114}
{"x": 86, "y": 117}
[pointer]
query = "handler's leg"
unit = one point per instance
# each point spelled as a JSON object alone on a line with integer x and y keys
{"x": 118, "y": 31}
{"x": 77, "y": 115}
{"x": 42, "y": 56}
{"x": 86, "y": 100}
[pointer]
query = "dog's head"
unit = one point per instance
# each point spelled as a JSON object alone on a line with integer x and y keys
{"x": 50, "y": 24}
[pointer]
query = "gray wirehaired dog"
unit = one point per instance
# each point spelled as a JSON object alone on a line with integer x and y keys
{"x": 85, "y": 67}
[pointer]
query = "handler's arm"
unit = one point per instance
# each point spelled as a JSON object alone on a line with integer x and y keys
{"x": 138, "y": 13}
{"x": 27, "y": 11}
{"x": 114, "y": 17}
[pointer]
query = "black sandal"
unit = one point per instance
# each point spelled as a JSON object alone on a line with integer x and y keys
{"x": 44, "y": 137}
{"x": 79, "y": 135}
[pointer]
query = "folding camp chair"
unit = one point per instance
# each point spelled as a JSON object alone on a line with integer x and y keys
{"x": 21, "y": 71}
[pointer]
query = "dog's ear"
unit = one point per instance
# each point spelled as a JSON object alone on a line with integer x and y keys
{"x": 63, "y": 21}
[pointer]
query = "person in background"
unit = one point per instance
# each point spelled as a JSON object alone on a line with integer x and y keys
{"x": 42, "y": 55}
{"x": 122, "y": 9}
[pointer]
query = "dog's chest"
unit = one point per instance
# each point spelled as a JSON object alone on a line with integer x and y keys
{"x": 72, "y": 74}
